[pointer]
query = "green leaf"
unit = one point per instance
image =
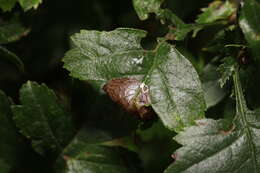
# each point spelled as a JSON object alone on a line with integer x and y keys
{"x": 180, "y": 29}
{"x": 175, "y": 89}
{"x": 227, "y": 69}
{"x": 12, "y": 31}
{"x": 217, "y": 146}
{"x": 217, "y": 10}
{"x": 94, "y": 50}
{"x": 86, "y": 154}
{"x": 28, "y": 4}
{"x": 249, "y": 23}
{"x": 213, "y": 92}
{"x": 7, "y": 5}
{"x": 10, "y": 145}
{"x": 9, "y": 56}
{"x": 144, "y": 7}
{"x": 42, "y": 119}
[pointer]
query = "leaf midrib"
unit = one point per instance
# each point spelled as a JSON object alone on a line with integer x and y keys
{"x": 241, "y": 113}
{"x": 146, "y": 79}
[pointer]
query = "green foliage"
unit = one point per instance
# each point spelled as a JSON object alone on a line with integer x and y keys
{"x": 12, "y": 31}
{"x": 7, "y": 5}
{"x": 85, "y": 112}
{"x": 217, "y": 10}
{"x": 87, "y": 61}
{"x": 86, "y": 153}
{"x": 248, "y": 21}
{"x": 227, "y": 69}
{"x": 221, "y": 146}
{"x": 98, "y": 57}
{"x": 9, "y": 149}
{"x": 28, "y": 4}
{"x": 42, "y": 119}
{"x": 210, "y": 83}
{"x": 144, "y": 7}
{"x": 11, "y": 57}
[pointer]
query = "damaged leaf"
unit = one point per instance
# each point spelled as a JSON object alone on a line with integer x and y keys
{"x": 174, "y": 86}
{"x": 132, "y": 95}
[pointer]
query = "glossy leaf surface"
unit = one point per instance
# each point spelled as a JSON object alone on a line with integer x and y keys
{"x": 218, "y": 146}
{"x": 173, "y": 83}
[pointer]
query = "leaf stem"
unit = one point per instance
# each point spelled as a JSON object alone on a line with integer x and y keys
{"x": 241, "y": 114}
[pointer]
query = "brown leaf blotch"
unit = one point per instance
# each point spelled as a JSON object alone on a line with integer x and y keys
{"x": 223, "y": 132}
{"x": 132, "y": 95}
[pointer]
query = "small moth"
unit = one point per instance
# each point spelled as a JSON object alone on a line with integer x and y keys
{"x": 132, "y": 95}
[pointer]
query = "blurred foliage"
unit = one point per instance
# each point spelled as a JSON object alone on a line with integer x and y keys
{"x": 58, "y": 123}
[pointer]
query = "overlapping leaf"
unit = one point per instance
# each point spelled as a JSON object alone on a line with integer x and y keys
{"x": 7, "y": 5}
{"x": 85, "y": 153}
{"x": 144, "y": 7}
{"x": 11, "y": 145}
{"x": 174, "y": 85}
{"x": 28, "y": 4}
{"x": 100, "y": 56}
{"x": 249, "y": 23}
{"x": 218, "y": 146}
{"x": 12, "y": 31}
{"x": 178, "y": 29}
{"x": 41, "y": 119}
{"x": 213, "y": 92}
{"x": 176, "y": 92}
{"x": 217, "y": 10}
{"x": 227, "y": 69}
{"x": 11, "y": 57}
